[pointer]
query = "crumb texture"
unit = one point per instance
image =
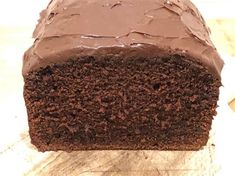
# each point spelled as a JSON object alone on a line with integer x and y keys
{"x": 113, "y": 103}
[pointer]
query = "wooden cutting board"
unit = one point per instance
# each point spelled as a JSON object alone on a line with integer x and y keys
{"x": 19, "y": 157}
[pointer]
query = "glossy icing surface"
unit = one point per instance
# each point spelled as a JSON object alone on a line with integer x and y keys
{"x": 126, "y": 28}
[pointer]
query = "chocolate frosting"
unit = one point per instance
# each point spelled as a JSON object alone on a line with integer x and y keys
{"x": 126, "y": 28}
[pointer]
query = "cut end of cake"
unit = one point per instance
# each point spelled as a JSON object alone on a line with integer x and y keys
{"x": 87, "y": 103}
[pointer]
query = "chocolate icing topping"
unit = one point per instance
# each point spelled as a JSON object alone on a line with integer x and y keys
{"x": 69, "y": 29}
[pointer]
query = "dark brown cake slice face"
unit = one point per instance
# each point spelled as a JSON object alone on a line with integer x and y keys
{"x": 164, "y": 103}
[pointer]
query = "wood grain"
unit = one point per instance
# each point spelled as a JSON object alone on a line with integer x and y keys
{"x": 232, "y": 105}
{"x": 27, "y": 161}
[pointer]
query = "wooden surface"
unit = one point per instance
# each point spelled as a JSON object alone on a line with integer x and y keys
{"x": 19, "y": 157}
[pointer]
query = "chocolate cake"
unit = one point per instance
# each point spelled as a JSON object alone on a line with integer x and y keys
{"x": 129, "y": 74}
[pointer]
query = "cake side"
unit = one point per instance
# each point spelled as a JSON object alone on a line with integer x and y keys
{"x": 163, "y": 103}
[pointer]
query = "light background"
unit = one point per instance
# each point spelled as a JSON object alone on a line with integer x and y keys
{"x": 17, "y": 21}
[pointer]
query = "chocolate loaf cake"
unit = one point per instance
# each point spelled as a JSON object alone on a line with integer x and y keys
{"x": 130, "y": 74}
